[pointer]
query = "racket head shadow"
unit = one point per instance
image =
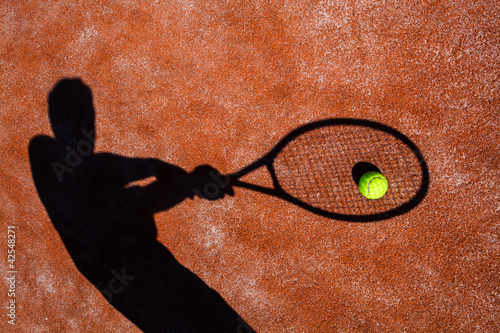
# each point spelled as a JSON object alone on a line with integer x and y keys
{"x": 312, "y": 167}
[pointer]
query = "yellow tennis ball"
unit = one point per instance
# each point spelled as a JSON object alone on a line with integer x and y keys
{"x": 373, "y": 185}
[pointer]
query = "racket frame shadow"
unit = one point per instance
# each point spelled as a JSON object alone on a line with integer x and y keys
{"x": 277, "y": 191}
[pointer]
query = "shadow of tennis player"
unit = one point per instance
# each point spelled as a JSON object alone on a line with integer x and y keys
{"x": 108, "y": 228}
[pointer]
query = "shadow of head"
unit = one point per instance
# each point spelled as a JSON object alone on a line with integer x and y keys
{"x": 71, "y": 113}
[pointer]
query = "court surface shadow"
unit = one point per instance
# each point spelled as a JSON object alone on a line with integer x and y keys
{"x": 108, "y": 228}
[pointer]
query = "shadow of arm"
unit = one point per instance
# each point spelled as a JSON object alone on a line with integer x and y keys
{"x": 171, "y": 186}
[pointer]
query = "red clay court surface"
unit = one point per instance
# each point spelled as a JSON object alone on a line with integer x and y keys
{"x": 220, "y": 83}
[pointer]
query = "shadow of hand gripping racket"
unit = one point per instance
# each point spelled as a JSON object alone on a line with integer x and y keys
{"x": 316, "y": 165}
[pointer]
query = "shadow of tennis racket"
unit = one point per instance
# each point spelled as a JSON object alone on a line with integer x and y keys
{"x": 312, "y": 167}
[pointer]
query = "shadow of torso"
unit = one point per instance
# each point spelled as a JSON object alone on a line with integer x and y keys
{"x": 110, "y": 233}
